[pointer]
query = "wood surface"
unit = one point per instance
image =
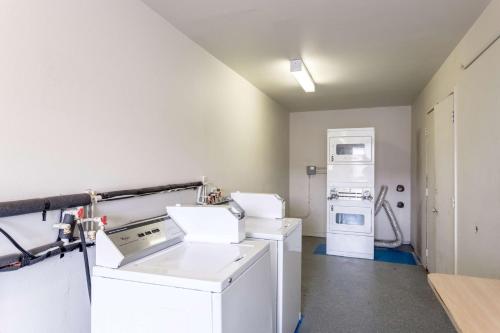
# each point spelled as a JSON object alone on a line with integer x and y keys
{"x": 473, "y": 304}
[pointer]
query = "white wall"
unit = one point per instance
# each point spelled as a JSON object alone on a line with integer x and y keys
{"x": 476, "y": 110}
{"x": 107, "y": 95}
{"x": 308, "y": 147}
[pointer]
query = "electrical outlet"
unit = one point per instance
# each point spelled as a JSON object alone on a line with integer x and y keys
{"x": 311, "y": 170}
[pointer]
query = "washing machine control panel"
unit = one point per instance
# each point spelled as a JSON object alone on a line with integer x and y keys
{"x": 119, "y": 246}
{"x": 350, "y": 193}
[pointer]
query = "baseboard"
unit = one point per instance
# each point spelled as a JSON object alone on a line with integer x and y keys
{"x": 314, "y": 234}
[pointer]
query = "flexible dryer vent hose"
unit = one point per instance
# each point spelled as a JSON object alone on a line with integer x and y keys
{"x": 382, "y": 203}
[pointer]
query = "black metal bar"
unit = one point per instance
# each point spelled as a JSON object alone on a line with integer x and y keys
{"x": 123, "y": 194}
{"x": 85, "y": 260}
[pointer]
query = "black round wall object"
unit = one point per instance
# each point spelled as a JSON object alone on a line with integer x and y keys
{"x": 400, "y": 188}
{"x": 401, "y": 204}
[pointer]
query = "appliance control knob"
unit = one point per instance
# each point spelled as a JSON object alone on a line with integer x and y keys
{"x": 333, "y": 195}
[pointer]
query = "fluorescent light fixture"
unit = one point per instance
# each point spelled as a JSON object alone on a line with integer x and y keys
{"x": 299, "y": 70}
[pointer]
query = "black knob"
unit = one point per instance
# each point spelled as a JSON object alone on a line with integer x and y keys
{"x": 400, "y": 188}
{"x": 401, "y": 204}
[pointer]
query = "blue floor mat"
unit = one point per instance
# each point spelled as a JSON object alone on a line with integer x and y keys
{"x": 320, "y": 249}
{"x": 381, "y": 254}
{"x": 394, "y": 256}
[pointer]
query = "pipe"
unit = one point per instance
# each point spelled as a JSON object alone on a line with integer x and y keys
{"x": 28, "y": 206}
{"x": 381, "y": 198}
{"x": 85, "y": 260}
{"x": 66, "y": 234}
{"x": 125, "y": 194}
{"x": 9, "y": 259}
{"x": 201, "y": 195}
{"x": 91, "y": 210}
{"x": 20, "y": 207}
{"x": 14, "y": 261}
{"x": 382, "y": 203}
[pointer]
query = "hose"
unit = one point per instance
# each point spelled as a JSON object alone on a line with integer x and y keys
{"x": 382, "y": 203}
{"x": 85, "y": 259}
{"x": 381, "y": 198}
{"x": 125, "y": 194}
{"x": 16, "y": 244}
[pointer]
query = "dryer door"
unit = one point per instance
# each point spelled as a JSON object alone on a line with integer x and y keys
{"x": 350, "y": 219}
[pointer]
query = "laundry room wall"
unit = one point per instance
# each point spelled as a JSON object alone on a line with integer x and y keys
{"x": 392, "y": 167}
{"x": 476, "y": 106}
{"x": 107, "y": 95}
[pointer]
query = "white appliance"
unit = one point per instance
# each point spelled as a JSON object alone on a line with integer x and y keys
{"x": 265, "y": 221}
{"x": 350, "y": 191}
{"x": 148, "y": 278}
{"x": 221, "y": 223}
{"x": 268, "y": 205}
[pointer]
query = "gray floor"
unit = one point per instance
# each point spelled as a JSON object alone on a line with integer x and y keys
{"x": 355, "y": 295}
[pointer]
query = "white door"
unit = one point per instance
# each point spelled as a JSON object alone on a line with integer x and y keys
{"x": 444, "y": 201}
{"x": 430, "y": 239}
{"x": 478, "y": 139}
{"x": 440, "y": 176}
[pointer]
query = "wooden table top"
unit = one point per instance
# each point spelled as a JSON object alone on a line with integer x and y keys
{"x": 473, "y": 304}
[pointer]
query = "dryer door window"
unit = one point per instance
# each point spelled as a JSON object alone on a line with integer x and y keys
{"x": 350, "y": 219}
{"x": 350, "y": 149}
{"x": 357, "y": 149}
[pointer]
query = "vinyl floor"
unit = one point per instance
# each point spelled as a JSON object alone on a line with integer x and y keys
{"x": 356, "y": 295}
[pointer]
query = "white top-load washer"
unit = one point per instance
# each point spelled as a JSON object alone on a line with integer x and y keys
{"x": 266, "y": 221}
{"x": 148, "y": 278}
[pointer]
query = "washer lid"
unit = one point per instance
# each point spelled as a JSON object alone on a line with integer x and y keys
{"x": 191, "y": 265}
{"x": 272, "y": 229}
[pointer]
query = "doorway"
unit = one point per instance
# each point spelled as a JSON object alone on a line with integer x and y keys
{"x": 440, "y": 188}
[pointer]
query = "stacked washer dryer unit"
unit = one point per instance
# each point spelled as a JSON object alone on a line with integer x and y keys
{"x": 266, "y": 221}
{"x": 350, "y": 191}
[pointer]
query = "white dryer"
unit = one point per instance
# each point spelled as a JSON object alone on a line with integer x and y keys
{"x": 350, "y": 192}
{"x": 147, "y": 278}
{"x": 285, "y": 237}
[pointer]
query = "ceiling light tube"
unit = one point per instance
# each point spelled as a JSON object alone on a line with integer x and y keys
{"x": 301, "y": 74}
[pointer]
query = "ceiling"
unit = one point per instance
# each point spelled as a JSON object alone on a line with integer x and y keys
{"x": 361, "y": 53}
